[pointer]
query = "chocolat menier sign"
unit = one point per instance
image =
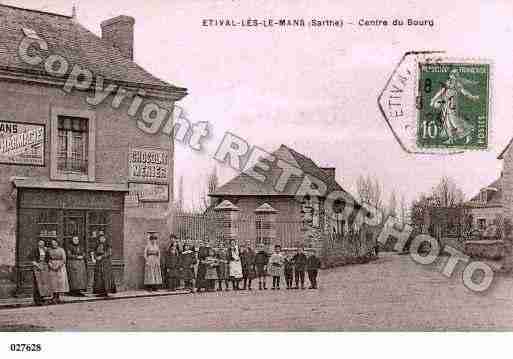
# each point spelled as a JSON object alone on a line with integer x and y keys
{"x": 22, "y": 143}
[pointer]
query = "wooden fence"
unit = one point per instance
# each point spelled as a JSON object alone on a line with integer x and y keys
{"x": 204, "y": 227}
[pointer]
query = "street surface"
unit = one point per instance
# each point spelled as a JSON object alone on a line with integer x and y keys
{"x": 392, "y": 293}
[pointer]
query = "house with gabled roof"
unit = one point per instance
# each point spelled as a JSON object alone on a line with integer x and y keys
{"x": 301, "y": 219}
{"x": 507, "y": 180}
{"x": 77, "y": 156}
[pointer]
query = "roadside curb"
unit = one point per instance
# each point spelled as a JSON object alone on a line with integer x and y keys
{"x": 30, "y": 303}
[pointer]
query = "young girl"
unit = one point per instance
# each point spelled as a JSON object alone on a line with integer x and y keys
{"x": 211, "y": 264}
{"x": 187, "y": 262}
{"x": 289, "y": 270}
{"x": 223, "y": 269}
{"x": 276, "y": 266}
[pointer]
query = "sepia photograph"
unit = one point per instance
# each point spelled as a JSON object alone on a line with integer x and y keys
{"x": 254, "y": 167}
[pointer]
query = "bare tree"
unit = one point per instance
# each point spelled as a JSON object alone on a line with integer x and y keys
{"x": 370, "y": 191}
{"x": 447, "y": 193}
{"x": 213, "y": 182}
{"x": 403, "y": 210}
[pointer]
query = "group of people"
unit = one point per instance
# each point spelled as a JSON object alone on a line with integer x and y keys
{"x": 208, "y": 269}
{"x": 57, "y": 271}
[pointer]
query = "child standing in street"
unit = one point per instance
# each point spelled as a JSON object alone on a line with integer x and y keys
{"x": 276, "y": 263}
{"x": 313, "y": 264}
{"x": 289, "y": 270}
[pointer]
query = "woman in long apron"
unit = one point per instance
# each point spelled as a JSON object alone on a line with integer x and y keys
{"x": 41, "y": 277}
{"x": 235, "y": 265}
{"x": 58, "y": 273}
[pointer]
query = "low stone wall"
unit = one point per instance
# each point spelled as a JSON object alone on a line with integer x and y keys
{"x": 486, "y": 249}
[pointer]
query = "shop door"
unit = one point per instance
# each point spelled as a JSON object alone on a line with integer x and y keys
{"x": 74, "y": 225}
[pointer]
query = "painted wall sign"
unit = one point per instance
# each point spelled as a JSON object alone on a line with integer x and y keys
{"x": 22, "y": 143}
{"x": 146, "y": 192}
{"x": 148, "y": 165}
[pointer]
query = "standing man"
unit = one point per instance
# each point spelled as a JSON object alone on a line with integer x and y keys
{"x": 300, "y": 267}
{"x": 313, "y": 264}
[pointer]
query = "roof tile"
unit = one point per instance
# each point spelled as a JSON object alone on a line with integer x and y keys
{"x": 68, "y": 38}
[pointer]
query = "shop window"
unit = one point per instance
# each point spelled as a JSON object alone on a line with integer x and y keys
{"x": 72, "y": 145}
{"x": 48, "y": 225}
{"x": 72, "y": 155}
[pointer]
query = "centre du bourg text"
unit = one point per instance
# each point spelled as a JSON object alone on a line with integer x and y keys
{"x": 314, "y": 22}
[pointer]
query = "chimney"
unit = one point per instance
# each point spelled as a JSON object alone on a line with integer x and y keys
{"x": 330, "y": 171}
{"x": 119, "y": 31}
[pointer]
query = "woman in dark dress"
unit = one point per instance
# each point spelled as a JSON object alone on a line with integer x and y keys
{"x": 103, "y": 276}
{"x": 77, "y": 273}
{"x": 41, "y": 284}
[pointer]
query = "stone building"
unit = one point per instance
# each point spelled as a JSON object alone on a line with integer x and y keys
{"x": 76, "y": 160}
{"x": 507, "y": 180}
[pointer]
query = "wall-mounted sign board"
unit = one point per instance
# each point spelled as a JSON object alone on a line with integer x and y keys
{"x": 146, "y": 165}
{"x": 22, "y": 143}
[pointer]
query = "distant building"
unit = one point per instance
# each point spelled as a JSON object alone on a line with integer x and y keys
{"x": 69, "y": 166}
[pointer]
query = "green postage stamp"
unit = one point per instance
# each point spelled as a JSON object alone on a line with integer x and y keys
{"x": 453, "y": 103}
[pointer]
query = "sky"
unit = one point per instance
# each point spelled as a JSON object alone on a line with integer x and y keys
{"x": 314, "y": 90}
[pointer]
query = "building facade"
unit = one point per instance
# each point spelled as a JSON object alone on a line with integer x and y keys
{"x": 70, "y": 164}
{"x": 486, "y": 207}
{"x": 507, "y": 181}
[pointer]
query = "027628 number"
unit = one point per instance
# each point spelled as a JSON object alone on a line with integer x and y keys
{"x": 25, "y": 347}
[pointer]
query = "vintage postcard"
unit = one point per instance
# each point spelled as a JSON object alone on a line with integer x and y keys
{"x": 255, "y": 166}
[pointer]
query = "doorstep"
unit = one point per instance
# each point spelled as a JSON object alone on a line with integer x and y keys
{"x": 6, "y": 303}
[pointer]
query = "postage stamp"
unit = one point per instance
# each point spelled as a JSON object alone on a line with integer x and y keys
{"x": 453, "y": 105}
